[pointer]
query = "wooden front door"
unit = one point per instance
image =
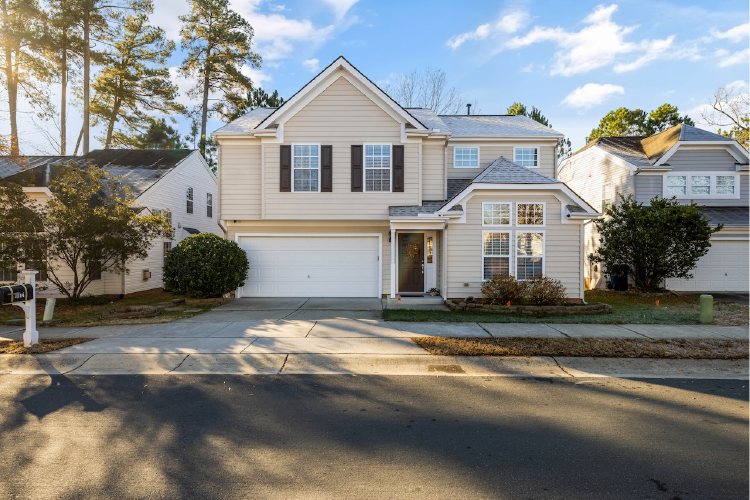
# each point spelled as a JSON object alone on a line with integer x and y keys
{"x": 411, "y": 263}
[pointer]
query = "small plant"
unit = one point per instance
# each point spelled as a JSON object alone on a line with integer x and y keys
{"x": 544, "y": 291}
{"x": 205, "y": 265}
{"x": 502, "y": 289}
{"x": 434, "y": 291}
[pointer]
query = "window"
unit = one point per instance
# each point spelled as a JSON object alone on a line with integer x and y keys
{"x": 530, "y": 214}
{"x": 429, "y": 249}
{"x": 496, "y": 214}
{"x": 606, "y": 196}
{"x": 95, "y": 270}
{"x": 8, "y": 274}
{"x": 305, "y": 168}
{"x": 529, "y": 255}
{"x": 701, "y": 185}
{"x": 209, "y": 205}
{"x": 526, "y": 157}
{"x": 189, "y": 198}
{"x": 465, "y": 157}
{"x": 378, "y": 168}
{"x": 495, "y": 254}
{"x": 167, "y": 249}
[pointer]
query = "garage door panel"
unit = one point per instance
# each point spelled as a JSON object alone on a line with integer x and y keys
{"x": 724, "y": 268}
{"x": 330, "y": 266}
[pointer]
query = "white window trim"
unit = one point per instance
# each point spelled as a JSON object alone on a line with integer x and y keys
{"x": 292, "y": 165}
{"x": 606, "y": 191}
{"x": 713, "y": 194}
{"x": 516, "y": 256}
{"x": 530, "y": 146}
{"x": 510, "y": 213}
{"x": 190, "y": 196}
{"x": 210, "y": 196}
{"x": 511, "y": 252}
{"x": 544, "y": 214}
{"x": 479, "y": 158}
{"x": 364, "y": 166}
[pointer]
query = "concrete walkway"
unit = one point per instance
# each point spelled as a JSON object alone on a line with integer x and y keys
{"x": 271, "y": 336}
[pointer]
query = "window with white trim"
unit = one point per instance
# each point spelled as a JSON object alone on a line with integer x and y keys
{"x": 606, "y": 196}
{"x": 701, "y": 185}
{"x": 378, "y": 168}
{"x": 530, "y": 214}
{"x": 465, "y": 157}
{"x": 526, "y": 157}
{"x": 189, "y": 200}
{"x": 167, "y": 248}
{"x": 305, "y": 168}
{"x": 495, "y": 254}
{"x": 529, "y": 255}
{"x": 496, "y": 214}
{"x": 209, "y": 205}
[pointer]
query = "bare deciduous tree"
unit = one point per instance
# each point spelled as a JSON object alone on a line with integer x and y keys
{"x": 428, "y": 89}
{"x": 730, "y": 109}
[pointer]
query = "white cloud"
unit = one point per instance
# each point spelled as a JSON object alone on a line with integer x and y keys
{"x": 727, "y": 59}
{"x": 258, "y": 77}
{"x": 166, "y": 14}
{"x": 655, "y": 49}
{"x": 278, "y": 7}
{"x": 529, "y": 68}
{"x": 340, "y": 7}
{"x": 735, "y": 34}
{"x": 592, "y": 94}
{"x": 509, "y": 23}
{"x": 311, "y": 65}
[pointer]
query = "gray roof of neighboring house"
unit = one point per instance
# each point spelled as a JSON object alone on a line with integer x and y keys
{"x": 10, "y": 165}
{"x": 729, "y": 216}
{"x": 497, "y": 125}
{"x": 246, "y": 122}
{"x": 428, "y": 118}
{"x": 646, "y": 151}
{"x": 140, "y": 169}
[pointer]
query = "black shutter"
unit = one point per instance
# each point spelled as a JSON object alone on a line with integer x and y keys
{"x": 357, "y": 168}
{"x": 326, "y": 169}
{"x": 398, "y": 169}
{"x": 285, "y": 169}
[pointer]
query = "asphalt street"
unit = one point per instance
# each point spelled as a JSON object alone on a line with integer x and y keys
{"x": 217, "y": 436}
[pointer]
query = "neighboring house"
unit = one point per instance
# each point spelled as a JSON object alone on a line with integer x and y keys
{"x": 177, "y": 182}
{"x": 683, "y": 161}
{"x": 342, "y": 192}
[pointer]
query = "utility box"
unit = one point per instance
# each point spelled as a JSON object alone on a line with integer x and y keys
{"x": 16, "y": 293}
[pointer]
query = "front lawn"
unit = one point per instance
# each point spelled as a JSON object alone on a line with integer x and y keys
{"x": 88, "y": 310}
{"x": 626, "y": 308}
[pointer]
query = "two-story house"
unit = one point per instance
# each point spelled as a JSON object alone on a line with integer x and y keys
{"x": 177, "y": 183}
{"x": 685, "y": 162}
{"x": 343, "y": 192}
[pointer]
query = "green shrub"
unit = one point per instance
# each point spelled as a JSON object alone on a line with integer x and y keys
{"x": 501, "y": 289}
{"x": 544, "y": 291}
{"x": 205, "y": 265}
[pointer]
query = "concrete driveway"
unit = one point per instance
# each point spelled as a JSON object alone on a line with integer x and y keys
{"x": 305, "y": 309}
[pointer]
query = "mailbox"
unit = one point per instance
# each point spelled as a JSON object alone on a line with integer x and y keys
{"x": 16, "y": 293}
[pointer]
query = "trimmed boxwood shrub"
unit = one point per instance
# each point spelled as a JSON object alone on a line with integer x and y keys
{"x": 205, "y": 265}
{"x": 539, "y": 291}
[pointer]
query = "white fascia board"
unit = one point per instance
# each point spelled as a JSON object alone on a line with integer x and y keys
{"x": 505, "y": 138}
{"x": 320, "y": 83}
{"x": 733, "y": 148}
{"x": 410, "y": 224}
{"x": 34, "y": 189}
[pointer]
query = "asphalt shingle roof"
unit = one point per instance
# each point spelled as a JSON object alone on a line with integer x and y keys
{"x": 10, "y": 165}
{"x": 504, "y": 171}
{"x": 729, "y": 216}
{"x": 428, "y": 118}
{"x": 247, "y": 122}
{"x": 428, "y": 207}
{"x": 497, "y": 125}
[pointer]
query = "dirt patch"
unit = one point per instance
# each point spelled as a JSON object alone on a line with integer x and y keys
{"x": 44, "y": 346}
{"x": 600, "y": 348}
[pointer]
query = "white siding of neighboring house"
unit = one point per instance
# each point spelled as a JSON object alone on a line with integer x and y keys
{"x": 562, "y": 244}
{"x": 491, "y": 151}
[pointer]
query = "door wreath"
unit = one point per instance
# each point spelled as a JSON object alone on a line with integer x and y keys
{"x": 411, "y": 250}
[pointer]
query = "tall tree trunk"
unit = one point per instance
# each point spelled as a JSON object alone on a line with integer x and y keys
{"x": 63, "y": 99}
{"x": 12, "y": 86}
{"x": 86, "y": 71}
{"x": 204, "y": 111}
{"x": 111, "y": 125}
{"x": 78, "y": 142}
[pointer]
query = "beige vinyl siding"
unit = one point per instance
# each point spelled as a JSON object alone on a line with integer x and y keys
{"x": 562, "y": 245}
{"x": 322, "y": 227}
{"x": 489, "y": 152}
{"x": 340, "y": 116}
{"x": 433, "y": 170}
{"x": 240, "y": 180}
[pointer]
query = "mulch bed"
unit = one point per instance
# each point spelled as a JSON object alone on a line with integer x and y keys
{"x": 44, "y": 346}
{"x": 600, "y": 348}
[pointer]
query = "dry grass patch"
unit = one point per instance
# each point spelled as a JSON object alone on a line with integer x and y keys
{"x": 600, "y": 348}
{"x": 44, "y": 346}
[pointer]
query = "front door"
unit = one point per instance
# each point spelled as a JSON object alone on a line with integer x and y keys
{"x": 411, "y": 263}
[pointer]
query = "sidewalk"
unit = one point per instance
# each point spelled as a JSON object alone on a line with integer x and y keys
{"x": 347, "y": 346}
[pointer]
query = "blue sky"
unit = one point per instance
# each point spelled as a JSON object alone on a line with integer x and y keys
{"x": 573, "y": 60}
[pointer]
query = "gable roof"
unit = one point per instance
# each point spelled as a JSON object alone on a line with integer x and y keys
{"x": 504, "y": 171}
{"x": 647, "y": 151}
{"x": 140, "y": 169}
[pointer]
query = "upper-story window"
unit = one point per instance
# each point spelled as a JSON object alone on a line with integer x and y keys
{"x": 189, "y": 200}
{"x": 606, "y": 196}
{"x": 496, "y": 214}
{"x": 378, "y": 168}
{"x": 306, "y": 168}
{"x": 530, "y": 214}
{"x": 465, "y": 157}
{"x": 526, "y": 157}
{"x": 209, "y": 205}
{"x": 702, "y": 185}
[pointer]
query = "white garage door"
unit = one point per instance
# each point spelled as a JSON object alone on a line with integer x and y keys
{"x": 311, "y": 266}
{"x": 724, "y": 268}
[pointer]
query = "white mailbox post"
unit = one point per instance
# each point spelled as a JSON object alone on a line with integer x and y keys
{"x": 24, "y": 296}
